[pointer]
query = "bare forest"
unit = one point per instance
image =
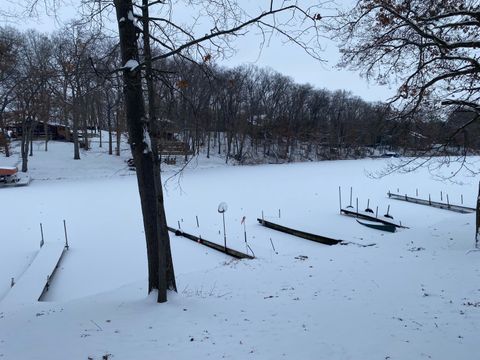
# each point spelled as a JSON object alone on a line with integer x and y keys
{"x": 245, "y": 114}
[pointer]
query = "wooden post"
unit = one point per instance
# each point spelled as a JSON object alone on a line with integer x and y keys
{"x": 340, "y": 197}
{"x": 66, "y": 237}
{"x": 429, "y": 200}
{"x": 448, "y": 202}
{"x": 279, "y": 214}
{"x": 12, "y": 281}
{"x": 416, "y": 192}
{"x": 273, "y": 247}
{"x": 461, "y": 199}
{"x": 196, "y": 217}
{"x": 441, "y": 196}
{"x": 179, "y": 227}
{"x": 41, "y": 232}
{"x": 245, "y": 234}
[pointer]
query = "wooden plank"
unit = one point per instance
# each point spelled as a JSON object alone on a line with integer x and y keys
{"x": 436, "y": 204}
{"x": 32, "y": 284}
{"x": 367, "y": 216}
{"x": 234, "y": 253}
{"x": 302, "y": 234}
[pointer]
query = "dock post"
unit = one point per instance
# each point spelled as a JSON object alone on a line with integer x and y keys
{"x": 340, "y": 198}
{"x": 245, "y": 233}
{"x": 66, "y": 237}
{"x": 41, "y": 232}
{"x": 273, "y": 247}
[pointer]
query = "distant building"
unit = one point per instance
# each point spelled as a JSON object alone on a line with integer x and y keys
{"x": 41, "y": 130}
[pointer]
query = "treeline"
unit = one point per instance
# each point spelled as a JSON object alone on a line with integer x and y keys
{"x": 252, "y": 113}
{"x": 249, "y": 114}
{"x": 53, "y": 79}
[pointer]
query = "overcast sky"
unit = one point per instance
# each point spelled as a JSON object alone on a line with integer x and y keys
{"x": 287, "y": 59}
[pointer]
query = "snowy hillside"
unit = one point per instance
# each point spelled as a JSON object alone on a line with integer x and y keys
{"x": 415, "y": 294}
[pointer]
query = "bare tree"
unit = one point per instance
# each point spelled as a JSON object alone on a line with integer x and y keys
{"x": 32, "y": 98}
{"x": 10, "y": 45}
{"x": 228, "y": 19}
{"x": 160, "y": 24}
{"x": 429, "y": 49}
{"x": 74, "y": 47}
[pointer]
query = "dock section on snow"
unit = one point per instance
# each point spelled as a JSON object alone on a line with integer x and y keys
{"x": 445, "y": 206}
{"x": 233, "y": 253}
{"x": 313, "y": 237}
{"x": 36, "y": 279}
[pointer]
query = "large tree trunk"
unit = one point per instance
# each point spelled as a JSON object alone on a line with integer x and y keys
{"x": 160, "y": 265}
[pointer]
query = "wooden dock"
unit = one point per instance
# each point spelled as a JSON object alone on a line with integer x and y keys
{"x": 36, "y": 279}
{"x": 234, "y": 253}
{"x": 302, "y": 234}
{"x": 439, "y": 205}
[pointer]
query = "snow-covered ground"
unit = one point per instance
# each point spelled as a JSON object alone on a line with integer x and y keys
{"x": 414, "y": 295}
